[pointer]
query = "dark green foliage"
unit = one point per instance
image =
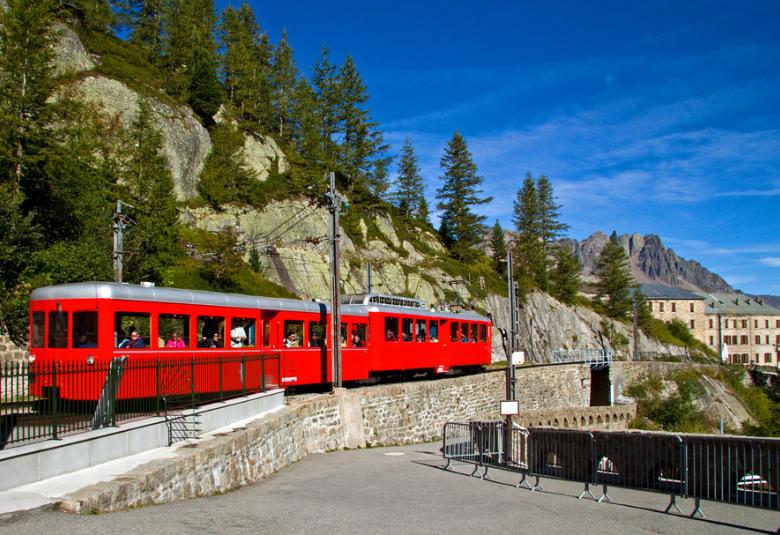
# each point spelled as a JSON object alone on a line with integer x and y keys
{"x": 225, "y": 177}
{"x": 145, "y": 21}
{"x": 284, "y": 78}
{"x": 461, "y": 228}
{"x": 614, "y": 279}
{"x": 565, "y": 277}
{"x": 498, "y": 245}
{"x": 538, "y": 230}
{"x": 205, "y": 92}
{"x": 677, "y": 412}
{"x": 152, "y": 241}
{"x": 98, "y": 14}
{"x": 409, "y": 193}
{"x": 763, "y": 403}
{"x": 246, "y": 68}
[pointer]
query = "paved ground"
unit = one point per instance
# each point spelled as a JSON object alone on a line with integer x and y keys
{"x": 401, "y": 490}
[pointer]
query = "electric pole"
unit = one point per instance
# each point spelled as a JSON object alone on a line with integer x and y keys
{"x": 334, "y": 205}
{"x": 121, "y": 221}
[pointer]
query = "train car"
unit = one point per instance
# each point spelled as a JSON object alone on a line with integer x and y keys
{"x": 92, "y": 323}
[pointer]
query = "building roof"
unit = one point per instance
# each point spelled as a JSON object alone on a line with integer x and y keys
{"x": 661, "y": 291}
{"x": 737, "y": 304}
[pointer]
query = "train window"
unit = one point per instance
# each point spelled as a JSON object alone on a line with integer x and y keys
{"x": 433, "y": 326}
{"x": 173, "y": 331}
{"x": 36, "y": 335}
{"x": 243, "y": 332}
{"x": 343, "y": 335}
{"x": 212, "y": 331}
{"x": 85, "y": 326}
{"x": 127, "y": 323}
{"x": 454, "y": 331}
{"x": 406, "y": 329}
{"x": 359, "y": 335}
{"x": 293, "y": 333}
{"x": 474, "y": 328}
{"x": 266, "y": 333}
{"x": 58, "y": 329}
{"x": 483, "y": 333}
{"x": 317, "y": 334}
{"x": 420, "y": 332}
{"x": 391, "y": 329}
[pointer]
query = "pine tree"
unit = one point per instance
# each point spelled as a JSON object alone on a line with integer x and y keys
{"x": 498, "y": 245}
{"x": 409, "y": 191}
{"x": 226, "y": 178}
{"x": 423, "y": 214}
{"x": 326, "y": 104}
{"x": 459, "y": 193}
{"x": 565, "y": 277}
{"x": 308, "y": 134}
{"x": 378, "y": 179}
{"x": 614, "y": 279}
{"x": 26, "y": 52}
{"x": 152, "y": 240}
{"x": 529, "y": 249}
{"x": 550, "y": 227}
{"x": 98, "y": 14}
{"x": 284, "y": 76}
{"x": 191, "y": 55}
{"x": 246, "y": 67}
{"x": 145, "y": 21}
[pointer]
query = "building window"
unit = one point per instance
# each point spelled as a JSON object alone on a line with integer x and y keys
{"x": 744, "y": 323}
{"x": 692, "y": 307}
{"x": 712, "y": 341}
{"x": 674, "y": 307}
{"x": 744, "y": 340}
{"x": 758, "y": 339}
{"x": 767, "y": 339}
{"x": 777, "y": 324}
{"x": 766, "y": 324}
{"x": 755, "y": 324}
{"x": 660, "y": 307}
{"x": 710, "y": 323}
{"x": 767, "y": 357}
{"x": 693, "y": 324}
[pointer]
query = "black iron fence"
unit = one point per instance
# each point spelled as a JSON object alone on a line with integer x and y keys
{"x": 40, "y": 401}
{"x": 737, "y": 470}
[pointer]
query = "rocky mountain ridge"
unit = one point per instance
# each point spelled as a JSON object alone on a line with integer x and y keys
{"x": 650, "y": 261}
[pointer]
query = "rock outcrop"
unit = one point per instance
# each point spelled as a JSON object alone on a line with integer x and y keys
{"x": 650, "y": 261}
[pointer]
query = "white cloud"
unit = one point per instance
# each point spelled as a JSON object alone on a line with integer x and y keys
{"x": 772, "y": 261}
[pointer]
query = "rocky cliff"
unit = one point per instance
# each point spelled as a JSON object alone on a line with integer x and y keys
{"x": 650, "y": 261}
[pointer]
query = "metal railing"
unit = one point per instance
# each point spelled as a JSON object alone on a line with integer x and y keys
{"x": 48, "y": 400}
{"x": 593, "y": 357}
{"x": 736, "y": 470}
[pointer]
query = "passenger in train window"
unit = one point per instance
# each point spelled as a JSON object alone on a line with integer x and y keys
{"x": 237, "y": 337}
{"x": 314, "y": 340}
{"x": 356, "y": 340}
{"x": 134, "y": 341}
{"x": 390, "y": 336}
{"x": 175, "y": 342}
{"x": 216, "y": 341}
{"x": 291, "y": 340}
{"x": 204, "y": 341}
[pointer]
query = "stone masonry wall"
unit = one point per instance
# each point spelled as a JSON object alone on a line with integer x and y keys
{"x": 372, "y": 416}
{"x": 10, "y": 351}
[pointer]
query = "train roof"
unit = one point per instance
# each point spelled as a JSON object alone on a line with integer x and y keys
{"x": 134, "y": 292}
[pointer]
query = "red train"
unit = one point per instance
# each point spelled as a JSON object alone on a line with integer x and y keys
{"x": 93, "y": 322}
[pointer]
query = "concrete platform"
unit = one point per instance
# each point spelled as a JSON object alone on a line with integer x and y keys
{"x": 403, "y": 490}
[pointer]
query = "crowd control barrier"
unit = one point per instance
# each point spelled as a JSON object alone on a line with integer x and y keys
{"x": 730, "y": 469}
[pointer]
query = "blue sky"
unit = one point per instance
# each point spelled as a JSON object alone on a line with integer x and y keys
{"x": 653, "y": 117}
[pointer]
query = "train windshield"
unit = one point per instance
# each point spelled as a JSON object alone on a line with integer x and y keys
{"x": 36, "y": 333}
{"x": 58, "y": 329}
{"x": 85, "y": 327}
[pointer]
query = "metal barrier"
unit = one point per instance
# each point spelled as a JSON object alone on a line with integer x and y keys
{"x": 737, "y": 470}
{"x": 597, "y": 358}
{"x": 47, "y": 400}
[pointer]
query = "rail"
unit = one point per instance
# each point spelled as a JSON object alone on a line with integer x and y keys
{"x": 48, "y": 400}
{"x": 735, "y": 470}
{"x": 597, "y": 358}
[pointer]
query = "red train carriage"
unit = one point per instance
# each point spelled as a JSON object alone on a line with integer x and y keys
{"x": 86, "y": 324}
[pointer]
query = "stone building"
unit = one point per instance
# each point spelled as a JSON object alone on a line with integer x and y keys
{"x": 742, "y": 327}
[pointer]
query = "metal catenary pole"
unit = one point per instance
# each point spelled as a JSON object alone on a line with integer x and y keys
{"x": 334, "y": 204}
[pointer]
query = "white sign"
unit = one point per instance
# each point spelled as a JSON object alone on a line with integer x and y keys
{"x": 509, "y": 408}
{"x": 518, "y": 357}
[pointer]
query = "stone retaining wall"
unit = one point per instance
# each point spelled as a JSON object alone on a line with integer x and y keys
{"x": 363, "y": 417}
{"x": 614, "y": 418}
{"x": 10, "y": 351}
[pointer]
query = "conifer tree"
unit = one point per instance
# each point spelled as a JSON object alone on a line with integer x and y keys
{"x": 498, "y": 245}
{"x": 565, "y": 277}
{"x": 26, "y": 53}
{"x": 246, "y": 67}
{"x": 409, "y": 191}
{"x": 378, "y": 179}
{"x": 226, "y": 177}
{"x": 529, "y": 250}
{"x": 152, "y": 240}
{"x": 145, "y": 21}
{"x": 458, "y": 195}
{"x": 614, "y": 279}
{"x": 326, "y": 103}
{"x": 550, "y": 227}
{"x": 423, "y": 214}
{"x": 284, "y": 76}
{"x": 308, "y": 134}
{"x": 98, "y": 14}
